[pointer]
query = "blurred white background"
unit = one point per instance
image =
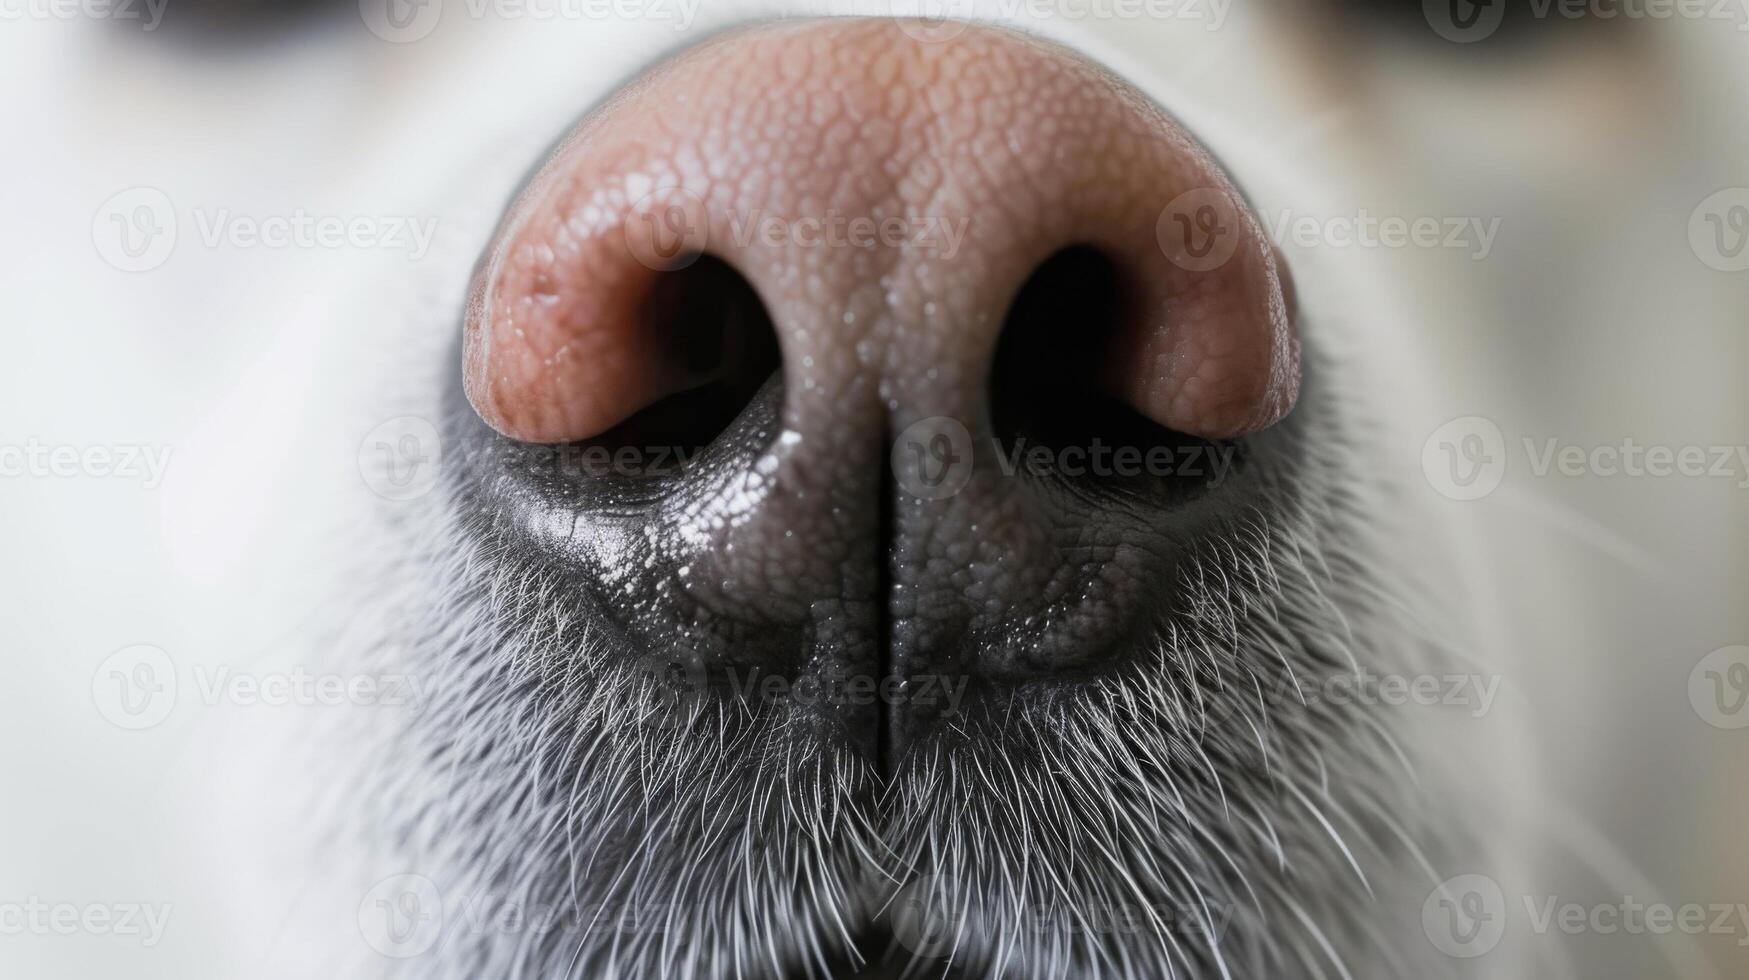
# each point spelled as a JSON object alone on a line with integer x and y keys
{"x": 1592, "y": 316}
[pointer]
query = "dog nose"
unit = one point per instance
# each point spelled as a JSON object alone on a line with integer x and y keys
{"x": 961, "y": 247}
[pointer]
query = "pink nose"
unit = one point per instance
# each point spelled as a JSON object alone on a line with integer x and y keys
{"x": 887, "y": 197}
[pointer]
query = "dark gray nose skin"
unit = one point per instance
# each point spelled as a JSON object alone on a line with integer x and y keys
{"x": 871, "y": 615}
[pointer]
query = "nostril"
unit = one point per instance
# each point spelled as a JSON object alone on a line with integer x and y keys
{"x": 713, "y": 334}
{"x": 1055, "y": 382}
{"x": 1059, "y": 332}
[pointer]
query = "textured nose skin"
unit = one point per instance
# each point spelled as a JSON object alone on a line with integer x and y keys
{"x": 888, "y": 198}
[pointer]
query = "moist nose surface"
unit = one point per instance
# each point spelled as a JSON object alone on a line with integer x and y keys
{"x": 888, "y": 200}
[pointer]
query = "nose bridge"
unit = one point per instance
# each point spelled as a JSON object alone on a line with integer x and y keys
{"x": 905, "y": 192}
{"x": 888, "y": 200}
{"x": 857, "y": 225}
{"x": 887, "y": 226}
{"x": 889, "y": 197}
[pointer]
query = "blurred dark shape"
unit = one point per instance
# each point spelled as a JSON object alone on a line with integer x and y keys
{"x": 1475, "y": 27}
{"x": 228, "y": 23}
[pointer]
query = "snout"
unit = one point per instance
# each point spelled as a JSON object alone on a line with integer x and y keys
{"x": 956, "y": 336}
